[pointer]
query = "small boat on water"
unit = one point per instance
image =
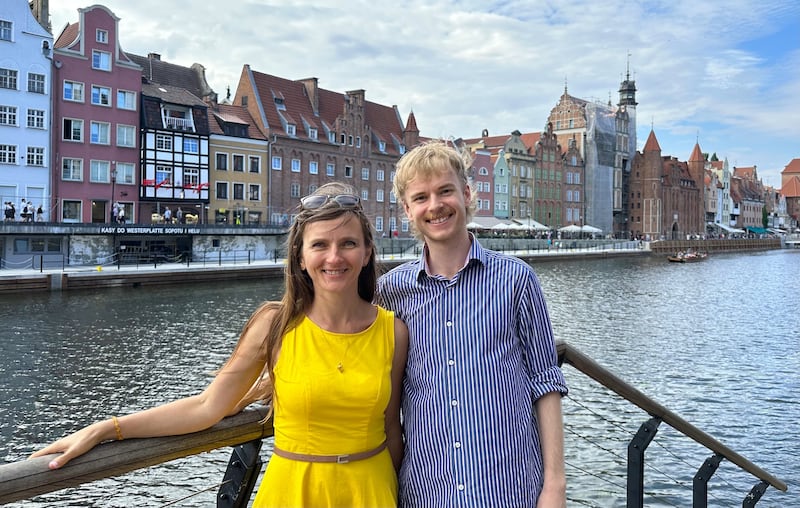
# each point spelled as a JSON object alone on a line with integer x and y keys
{"x": 688, "y": 257}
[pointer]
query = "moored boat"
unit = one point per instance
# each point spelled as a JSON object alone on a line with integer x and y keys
{"x": 687, "y": 257}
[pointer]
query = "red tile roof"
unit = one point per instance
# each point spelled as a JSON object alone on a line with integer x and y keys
{"x": 792, "y": 167}
{"x": 652, "y": 143}
{"x": 791, "y": 189}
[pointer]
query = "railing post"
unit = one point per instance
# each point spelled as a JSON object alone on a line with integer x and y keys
{"x": 636, "y": 449}
{"x": 241, "y": 475}
{"x": 701, "y": 478}
{"x": 755, "y": 494}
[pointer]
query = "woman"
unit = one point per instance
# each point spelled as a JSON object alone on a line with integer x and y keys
{"x": 337, "y": 363}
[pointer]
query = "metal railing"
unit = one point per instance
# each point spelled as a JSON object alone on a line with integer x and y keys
{"x": 29, "y": 478}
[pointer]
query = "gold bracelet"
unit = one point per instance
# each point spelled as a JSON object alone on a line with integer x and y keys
{"x": 116, "y": 427}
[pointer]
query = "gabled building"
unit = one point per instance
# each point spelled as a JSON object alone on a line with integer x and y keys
{"x": 25, "y": 77}
{"x": 483, "y": 185}
{"x": 239, "y": 153}
{"x": 606, "y": 138}
{"x": 175, "y": 144}
{"x": 790, "y": 190}
{"x": 317, "y": 135}
{"x": 666, "y": 199}
{"x": 95, "y": 120}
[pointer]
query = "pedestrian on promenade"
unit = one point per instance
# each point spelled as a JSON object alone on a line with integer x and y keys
{"x": 9, "y": 211}
{"x": 337, "y": 363}
{"x": 167, "y": 216}
{"x": 482, "y": 394}
{"x": 39, "y": 214}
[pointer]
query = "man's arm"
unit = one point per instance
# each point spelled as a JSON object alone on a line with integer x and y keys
{"x": 551, "y": 437}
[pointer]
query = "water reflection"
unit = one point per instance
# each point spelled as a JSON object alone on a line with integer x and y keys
{"x": 714, "y": 341}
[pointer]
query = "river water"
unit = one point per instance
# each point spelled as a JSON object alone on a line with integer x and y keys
{"x": 717, "y": 342}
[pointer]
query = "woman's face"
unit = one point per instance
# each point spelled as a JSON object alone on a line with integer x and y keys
{"x": 334, "y": 252}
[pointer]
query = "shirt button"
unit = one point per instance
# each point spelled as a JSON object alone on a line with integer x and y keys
{"x": 451, "y": 362}
{"x": 449, "y": 323}
{"x": 461, "y": 486}
{"x": 456, "y": 445}
{"x": 454, "y": 402}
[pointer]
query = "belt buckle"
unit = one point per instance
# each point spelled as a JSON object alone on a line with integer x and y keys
{"x": 342, "y": 459}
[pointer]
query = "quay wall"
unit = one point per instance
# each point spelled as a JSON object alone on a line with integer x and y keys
{"x": 100, "y": 277}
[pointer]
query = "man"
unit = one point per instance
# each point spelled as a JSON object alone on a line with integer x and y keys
{"x": 482, "y": 394}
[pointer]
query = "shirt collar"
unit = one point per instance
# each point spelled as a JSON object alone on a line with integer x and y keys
{"x": 476, "y": 253}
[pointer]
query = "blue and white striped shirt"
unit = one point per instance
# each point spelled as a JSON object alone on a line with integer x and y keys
{"x": 481, "y": 352}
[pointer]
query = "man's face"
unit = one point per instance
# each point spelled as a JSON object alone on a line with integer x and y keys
{"x": 437, "y": 205}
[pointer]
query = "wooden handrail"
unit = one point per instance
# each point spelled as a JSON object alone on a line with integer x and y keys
{"x": 583, "y": 363}
{"x": 29, "y": 478}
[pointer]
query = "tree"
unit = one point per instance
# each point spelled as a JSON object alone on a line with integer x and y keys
{"x": 764, "y": 217}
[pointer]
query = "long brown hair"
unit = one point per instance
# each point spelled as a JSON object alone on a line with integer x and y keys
{"x": 298, "y": 287}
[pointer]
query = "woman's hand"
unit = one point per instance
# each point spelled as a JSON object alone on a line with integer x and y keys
{"x": 78, "y": 443}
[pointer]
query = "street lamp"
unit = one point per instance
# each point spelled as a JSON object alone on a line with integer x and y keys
{"x": 113, "y": 188}
{"x": 391, "y": 229}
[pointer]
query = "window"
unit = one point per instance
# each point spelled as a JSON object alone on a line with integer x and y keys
{"x": 101, "y": 60}
{"x": 8, "y": 115}
{"x": 125, "y": 171}
{"x": 8, "y": 79}
{"x": 191, "y": 145}
{"x": 126, "y": 100}
{"x": 238, "y": 163}
{"x": 163, "y": 142}
{"x": 100, "y": 171}
{"x": 277, "y": 163}
{"x": 101, "y": 36}
{"x": 73, "y": 129}
{"x": 73, "y": 91}
{"x": 364, "y": 195}
{"x": 163, "y": 176}
{"x": 350, "y": 140}
{"x": 312, "y": 133}
{"x": 8, "y": 154}
{"x": 222, "y": 161}
{"x": 332, "y": 137}
{"x": 358, "y": 141}
{"x": 294, "y": 189}
{"x": 71, "y": 211}
{"x": 36, "y": 118}
{"x": 365, "y": 173}
{"x": 348, "y": 171}
{"x": 126, "y": 136}
{"x": 6, "y": 30}
{"x": 313, "y": 167}
{"x": 291, "y": 129}
{"x": 222, "y": 190}
{"x": 379, "y": 195}
{"x": 101, "y": 95}
{"x": 72, "y": 169}
{"x": 330, "y": 170}
{"x": 191, "y": 178}
{"x": 255, "y": 192}
{"x": 379, "y": 175}
{"x": 238, "y": 191}
{"x": 382, "y": 146}
{"x": 295, "y": 165}
{"x": 35, "y": 156}
{"x": 100, "y": 133}
{"x": 35, "y": 82}
{"x": 255, "y": 164}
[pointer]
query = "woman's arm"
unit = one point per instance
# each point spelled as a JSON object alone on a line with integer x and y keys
{"x": 394, "y": 431}
{"x": 190, "y": 414}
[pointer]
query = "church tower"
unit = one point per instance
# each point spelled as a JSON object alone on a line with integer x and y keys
{"x": 627, "y": 101}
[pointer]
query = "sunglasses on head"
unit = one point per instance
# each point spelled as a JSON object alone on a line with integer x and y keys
{"x": 315, "y": 201}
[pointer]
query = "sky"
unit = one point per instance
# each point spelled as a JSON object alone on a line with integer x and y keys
{"x": 724, "y": 74}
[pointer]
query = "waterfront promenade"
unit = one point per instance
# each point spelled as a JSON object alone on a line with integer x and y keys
{"x": 34, "y": 277}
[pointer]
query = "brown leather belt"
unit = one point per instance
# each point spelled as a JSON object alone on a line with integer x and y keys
{"x": 338, "y": 459}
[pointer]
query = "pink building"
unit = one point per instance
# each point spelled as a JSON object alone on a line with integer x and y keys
{"x": 96, "y": 90}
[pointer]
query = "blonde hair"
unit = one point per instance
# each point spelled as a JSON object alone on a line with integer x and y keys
{"x": 433, "y": 158}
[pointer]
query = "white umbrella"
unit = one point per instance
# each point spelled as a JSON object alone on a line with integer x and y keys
{"x": 572, "y": 228}
{"x": 591, "y": 229}
{"x": 502, "y": 226}
{"x": 475, "y": 225}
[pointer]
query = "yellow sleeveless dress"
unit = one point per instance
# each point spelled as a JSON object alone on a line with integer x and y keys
{"x": 331, "y": 393}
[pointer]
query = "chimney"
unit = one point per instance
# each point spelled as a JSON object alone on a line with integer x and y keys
{"x": 154, "y": 56}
